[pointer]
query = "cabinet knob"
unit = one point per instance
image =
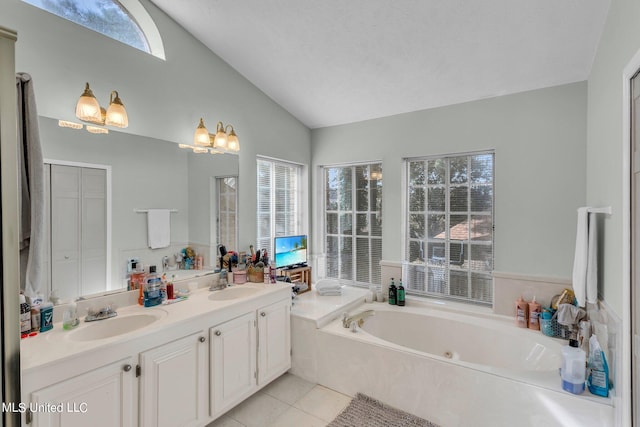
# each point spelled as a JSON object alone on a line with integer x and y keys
{"x": 218, "y": 333}
{"x": 66, "y": 257}
{"x": 201, "y": 339}
{"x": 263, "y": 314}
{"x": 126, "y": 368}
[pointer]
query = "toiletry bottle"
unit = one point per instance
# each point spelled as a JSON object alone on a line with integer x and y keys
{"x": 534, "y": 314}
{"x": 392, "y": 293}
{"x": 70, "y": 317}
{"x": 170, "y": 294}
{"x": 163, "y": 288}
{"x": 46, "y": 316}
{"x": 25, "y": 316}
{"x": 35, "y": 312}
{"x": 522, "y": 309}
{"x": 573, "y": 370}
{"x": 400, "y": 294}
{"x": 152, "y": 288}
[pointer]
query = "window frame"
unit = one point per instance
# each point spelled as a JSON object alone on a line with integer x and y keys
{"x": 375, "y": 277}
{"x": 139, "y": 17}
{"x": 416, "y": 270}
{"x": 222, "y": 214}
{"x": 299, "y": 228}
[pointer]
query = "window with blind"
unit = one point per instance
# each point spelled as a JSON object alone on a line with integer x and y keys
{"x": 449, "y": 226}
{"x": 227, "y": 189}
{"x": 353, "y": 222}
{"x": 279, "y": 211}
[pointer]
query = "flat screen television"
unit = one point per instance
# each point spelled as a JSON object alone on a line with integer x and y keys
{"x": 290, "y": 251}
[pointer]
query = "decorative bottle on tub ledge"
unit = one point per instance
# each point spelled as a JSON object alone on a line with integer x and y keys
{"x": 392, "y": 293}
{"x": 400, "y": 294}
{"x": 522, "y": 309}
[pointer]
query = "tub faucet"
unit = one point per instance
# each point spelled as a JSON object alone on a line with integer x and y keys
{"x": 359, "y": 318}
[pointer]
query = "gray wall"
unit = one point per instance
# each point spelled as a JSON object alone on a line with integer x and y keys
{"x": 539, "y": 139}
{"x": 605, "y": 147}
{"x": 164, "y": 99}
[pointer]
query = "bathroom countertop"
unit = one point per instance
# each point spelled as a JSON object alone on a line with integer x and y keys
{"x": 323, "y": 309}
{"x": 198, "y": 311}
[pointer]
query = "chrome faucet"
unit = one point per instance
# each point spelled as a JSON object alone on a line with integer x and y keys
{"x": 359, "y": 318}
{"x": 101, "y": 314}
{"x": 165, "y": 263}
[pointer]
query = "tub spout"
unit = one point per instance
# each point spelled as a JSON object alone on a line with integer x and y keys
{"x": 359, "y": 318}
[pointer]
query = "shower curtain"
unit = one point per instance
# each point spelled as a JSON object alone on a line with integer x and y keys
{"x": 31, "y": 188}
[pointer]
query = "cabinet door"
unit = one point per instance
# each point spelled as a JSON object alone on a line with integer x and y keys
{"x": 274, "y": 341}
{"x": 101, "y": 398}
{"x": 174, "y": 383}
{"x": 233, "y": 362}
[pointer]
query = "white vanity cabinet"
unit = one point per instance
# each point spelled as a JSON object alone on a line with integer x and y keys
{"x": 173, "y": 383}
{"x": 233, "y": 362}
{"x": 274, "y": 341}
{"x": 104, "y": 397}
{"x": 197, "y": 362}
{"x": 248, "y": 352}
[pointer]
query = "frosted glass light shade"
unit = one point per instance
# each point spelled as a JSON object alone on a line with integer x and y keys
{"x": 116, "y": 114}
{"x": 87, "y": 107}
{"x": 201, "y": 135}
{"x": 232, "y": 142}
{"x": 220, "y": 140}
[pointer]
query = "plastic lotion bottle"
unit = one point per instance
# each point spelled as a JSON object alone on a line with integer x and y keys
{"x": 400, "y": 294}
{"x": 392, "y": 293}
{"x": 522, "y": 309}
{"x": 534, "y": 314}
{"x": 574, "y": 361}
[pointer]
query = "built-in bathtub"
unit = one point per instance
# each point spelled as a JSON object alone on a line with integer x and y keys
{"x": 454, "y": 367}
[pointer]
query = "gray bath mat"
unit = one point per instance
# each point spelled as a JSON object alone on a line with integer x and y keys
{"x": 363, "y": 411}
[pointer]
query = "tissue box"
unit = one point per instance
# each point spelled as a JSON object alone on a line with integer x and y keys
{"x": 239, "y": 277}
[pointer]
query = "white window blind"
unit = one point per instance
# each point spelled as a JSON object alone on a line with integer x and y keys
{"x": 227, "y": 189}
{"x": 279, "y": 210}
{"x": 353, "y": 222}
{"x": 449, "y": 220}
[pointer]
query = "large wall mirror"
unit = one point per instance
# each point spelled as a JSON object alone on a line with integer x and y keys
{"x": 99, "y": 187}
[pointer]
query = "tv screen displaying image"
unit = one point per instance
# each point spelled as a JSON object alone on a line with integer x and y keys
{"x": 290, "y": 251}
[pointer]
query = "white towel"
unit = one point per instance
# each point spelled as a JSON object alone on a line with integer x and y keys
{"x": 159, "y": 228}
{"x": 585, "y": 261}
{"x": 330, "y": 293}
{"x": 328, "y": 285}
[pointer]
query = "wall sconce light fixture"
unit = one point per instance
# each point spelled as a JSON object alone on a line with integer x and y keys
{"x": 89, "y": 110}
{"x": 221, "y": 142}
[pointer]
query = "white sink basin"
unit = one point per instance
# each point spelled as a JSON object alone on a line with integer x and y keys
{"x": 114, "y": 326}
{"x": 233, "y": 293}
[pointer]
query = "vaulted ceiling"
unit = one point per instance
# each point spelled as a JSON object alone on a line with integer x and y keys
{"x": 332, "y": 62}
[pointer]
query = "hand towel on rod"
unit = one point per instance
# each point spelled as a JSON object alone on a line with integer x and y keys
{"x": 159, "y": 228}
{"x": 585, "y": 262}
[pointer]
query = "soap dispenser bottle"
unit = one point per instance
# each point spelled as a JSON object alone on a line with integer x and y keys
{"x": 534, "y": 314}
{"x": 400, "y": 294}
{"x": 522, "y": 310}
{"x": 392, "y": 293}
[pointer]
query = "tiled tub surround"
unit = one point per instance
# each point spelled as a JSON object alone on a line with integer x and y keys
{"x": 56, "y": 357}
{"x": 498, "y": 374}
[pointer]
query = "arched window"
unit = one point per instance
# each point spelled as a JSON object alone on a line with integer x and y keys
{"x": 126, "y": 20}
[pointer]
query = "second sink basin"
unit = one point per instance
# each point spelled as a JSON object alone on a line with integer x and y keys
{"x": 233, "y": 293}
{"x": 115, "y": 326}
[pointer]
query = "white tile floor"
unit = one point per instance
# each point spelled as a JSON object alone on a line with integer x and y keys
{"x": 289, "y": 401}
